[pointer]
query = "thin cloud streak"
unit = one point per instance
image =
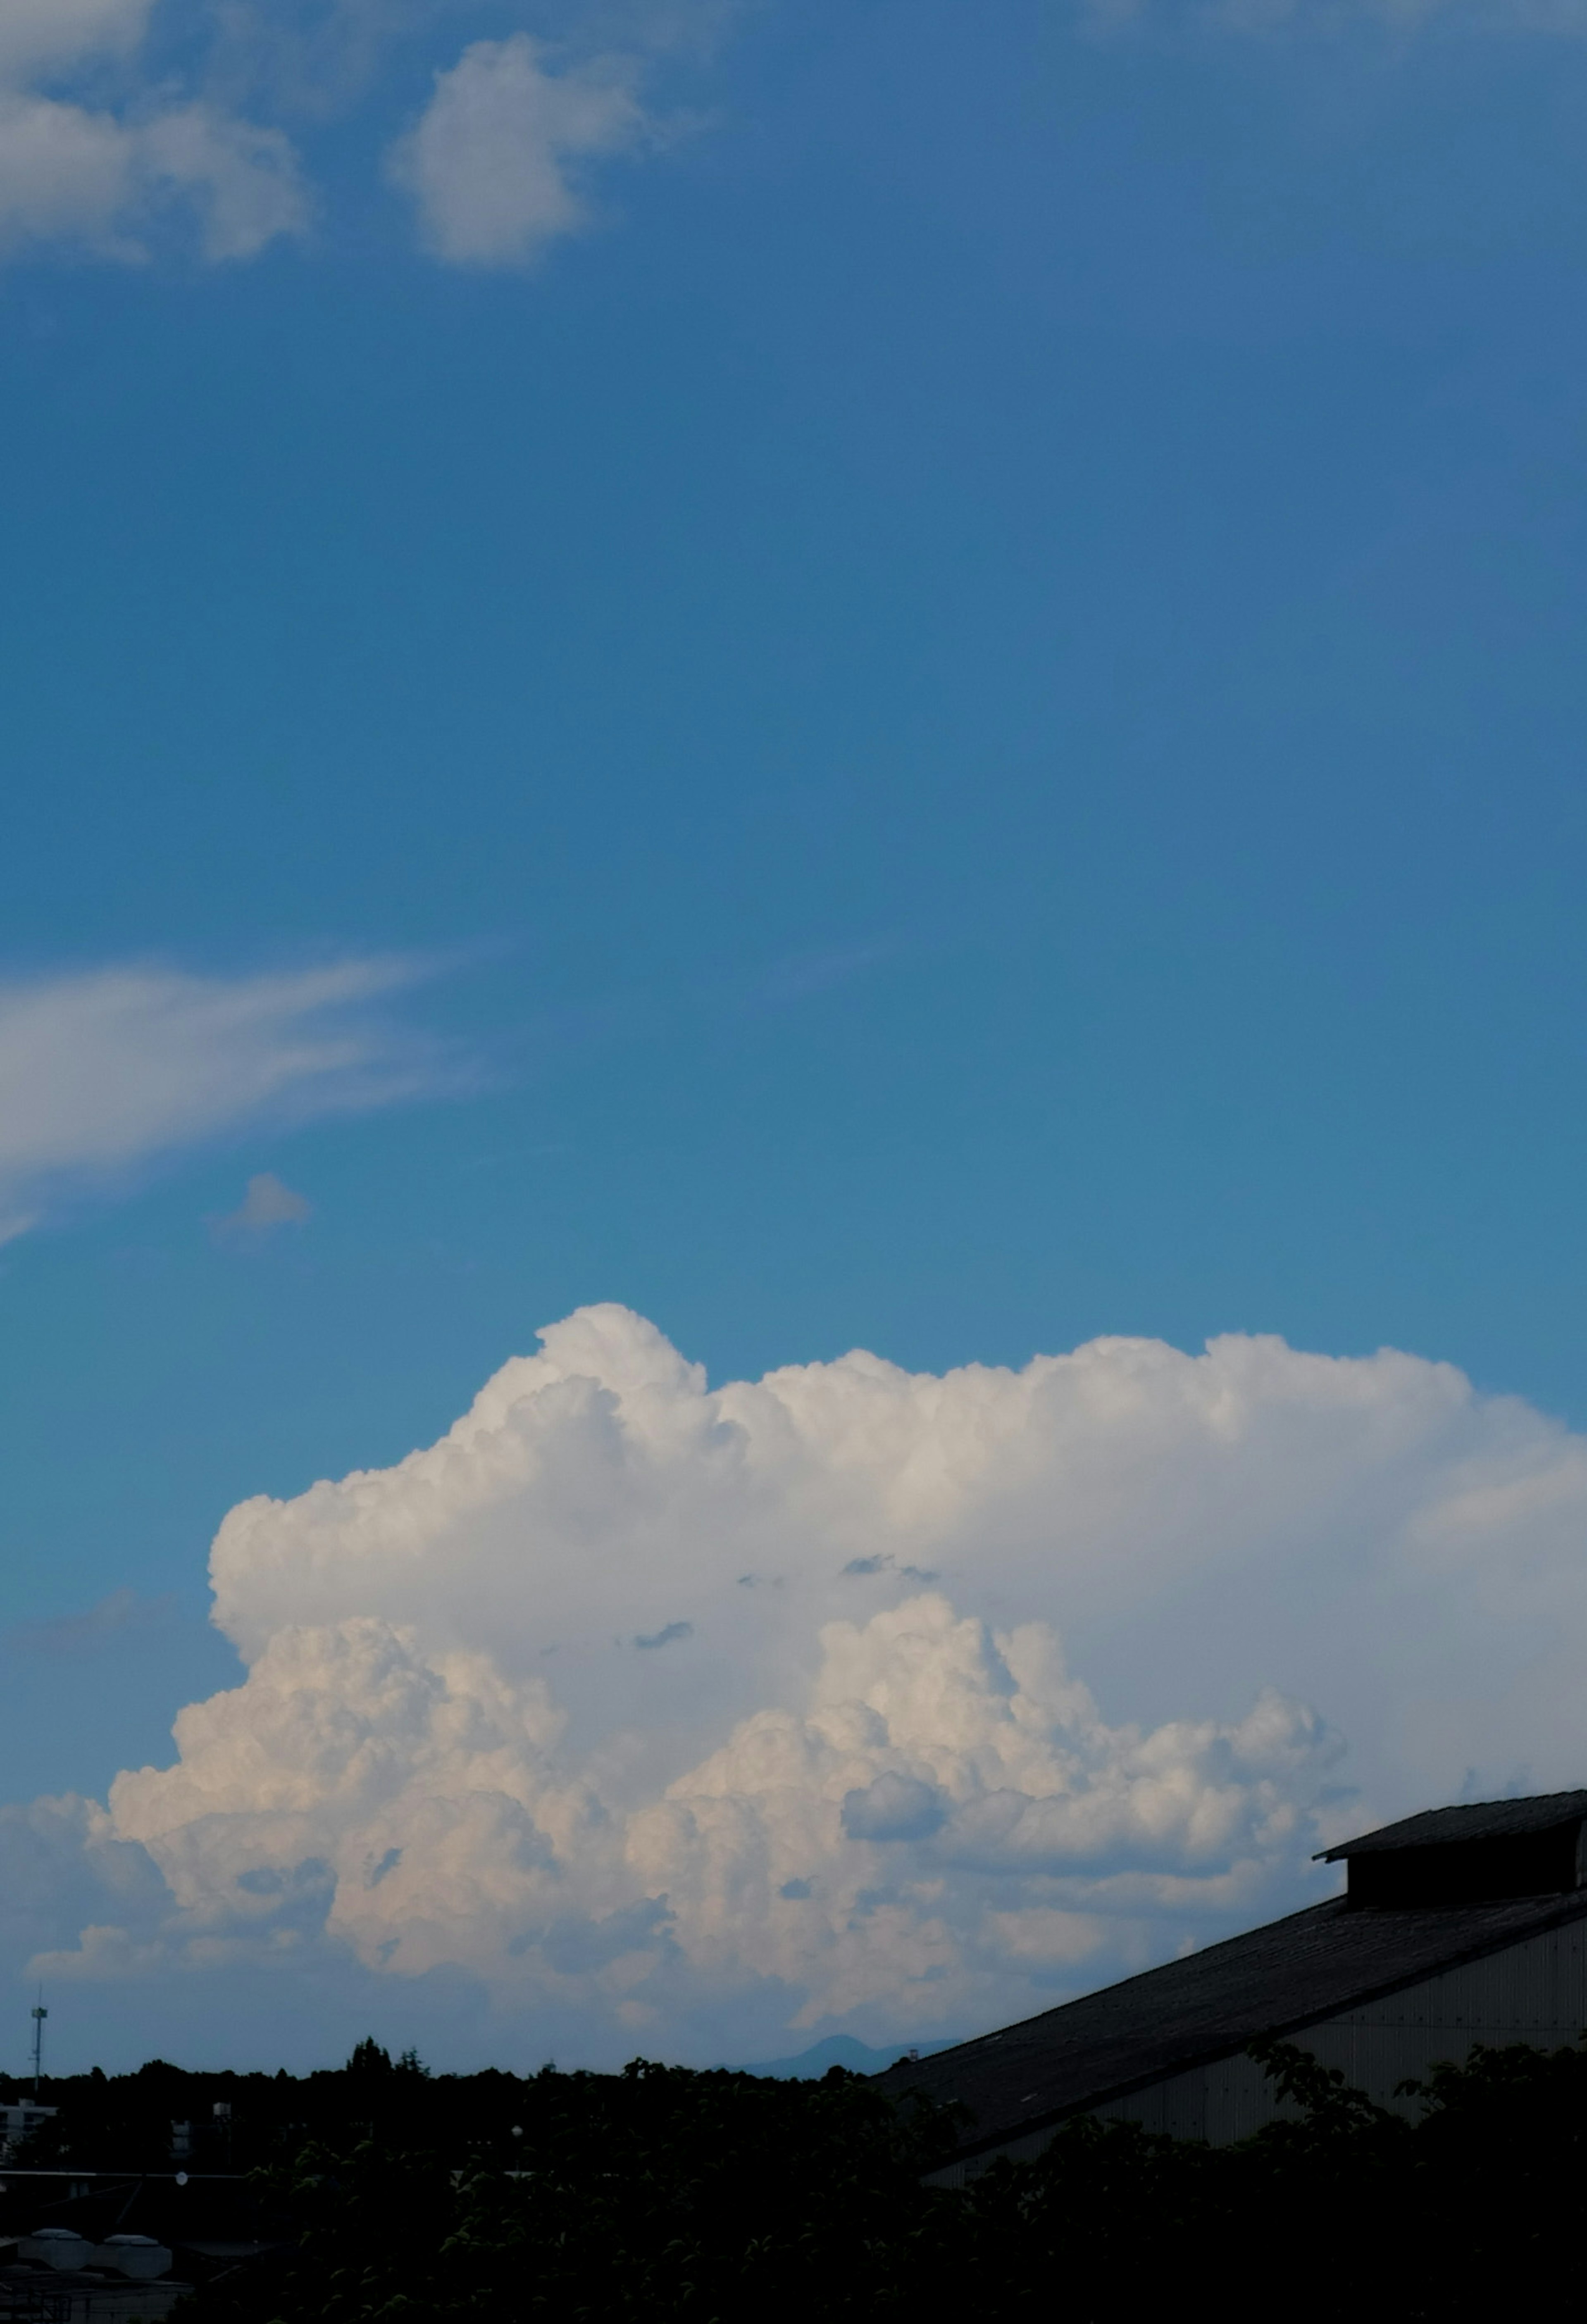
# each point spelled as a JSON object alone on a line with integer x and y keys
{"x": 123, "y": 1611}
{"x": 269, "y": 1202}
{"x": 105, "y": 1072}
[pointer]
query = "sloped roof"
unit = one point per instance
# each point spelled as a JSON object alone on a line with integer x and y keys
{"x": 1487, "y": 1820}
{"x": 1274, "y": 1979}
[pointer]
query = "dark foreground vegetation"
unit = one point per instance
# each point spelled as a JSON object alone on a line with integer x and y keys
{"x": 393, "y": 2197}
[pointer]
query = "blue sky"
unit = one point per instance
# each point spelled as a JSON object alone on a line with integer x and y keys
{"x": 951, "y": 698}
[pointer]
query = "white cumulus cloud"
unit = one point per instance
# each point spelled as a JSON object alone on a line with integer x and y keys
{"x": 64, "y": 173}
{"x": 840, "y": 1792}
{"x": 39, "y": 36}
{"x": 494, "y": 163}
{"x": 99, "y": 176}
{"x": 103, "y": 1071}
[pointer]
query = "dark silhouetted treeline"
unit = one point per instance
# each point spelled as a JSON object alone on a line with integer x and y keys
{"x": 660, "y": 2194}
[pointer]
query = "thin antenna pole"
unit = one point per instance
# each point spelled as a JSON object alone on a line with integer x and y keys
{"x": 40, "y": 2014}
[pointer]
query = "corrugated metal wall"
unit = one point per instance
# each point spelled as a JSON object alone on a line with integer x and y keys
{"x": 1535, "y": 1992}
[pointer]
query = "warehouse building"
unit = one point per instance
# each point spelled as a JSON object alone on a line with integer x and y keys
{"x": 1459, "y": 1926}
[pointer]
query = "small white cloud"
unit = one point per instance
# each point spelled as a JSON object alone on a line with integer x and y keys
{"x": 104, "y": 1072}
{"x": 100, "y": 178}
{"x": 244, "y": 180}
{"x": 70, "y": 175}
{"x": 43, "y": 35}
{"x": 493, "y": 163}
{"x": 65, "y": 175}
{"x": 269, "y": 1202}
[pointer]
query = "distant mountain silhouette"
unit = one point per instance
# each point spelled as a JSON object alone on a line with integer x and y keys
{"x": 841, "y": 2050}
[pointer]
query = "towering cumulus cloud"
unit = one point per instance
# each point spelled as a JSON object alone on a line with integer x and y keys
{"x": 682, "y": 1718}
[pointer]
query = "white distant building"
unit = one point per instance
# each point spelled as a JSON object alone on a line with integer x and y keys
{"x": 16, "y": 2122}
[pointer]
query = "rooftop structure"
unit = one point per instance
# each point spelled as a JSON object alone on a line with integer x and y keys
{"x": 1447, "y": 1856}
{"x": 1458, "y": 1926}
{"x": 18, "y": 2122}
{"x": 85, "y": 2246}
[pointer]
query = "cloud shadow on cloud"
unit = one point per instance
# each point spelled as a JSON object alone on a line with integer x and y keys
{"x": 894, "y": 1807}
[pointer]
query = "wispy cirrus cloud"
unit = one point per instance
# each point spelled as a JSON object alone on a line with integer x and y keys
{"x": 105, "y": 1073}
